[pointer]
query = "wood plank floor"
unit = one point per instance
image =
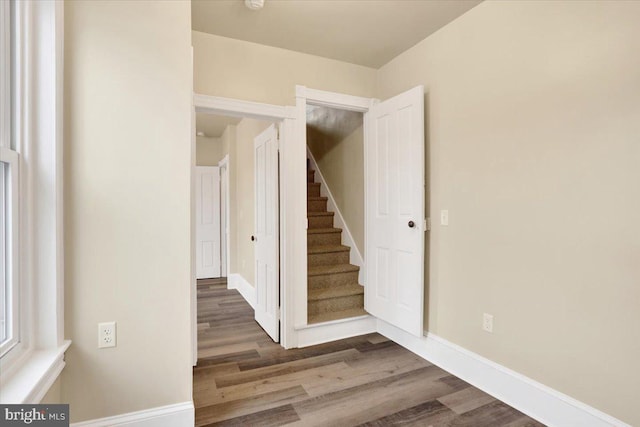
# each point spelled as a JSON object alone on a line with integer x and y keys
{"x": 244, "y": 378}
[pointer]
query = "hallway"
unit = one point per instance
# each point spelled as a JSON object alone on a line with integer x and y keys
{"x": 243, "y": 378}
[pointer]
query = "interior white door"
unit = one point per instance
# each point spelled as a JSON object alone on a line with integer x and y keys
{"x": 266, "y": 232}
{"x": 394, "y": 194}
{"x": 207, "y": 222}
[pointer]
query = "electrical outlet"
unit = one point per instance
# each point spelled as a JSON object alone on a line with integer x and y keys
{"x": 487, "y": 322}
{"x": 106, "y": 334}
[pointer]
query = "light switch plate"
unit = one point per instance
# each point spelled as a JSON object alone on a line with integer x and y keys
{"x": 444, "y": 217}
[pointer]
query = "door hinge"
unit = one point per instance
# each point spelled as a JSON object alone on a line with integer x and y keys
{"x": 427, "y": 224}
{"x": 278, "y": 314}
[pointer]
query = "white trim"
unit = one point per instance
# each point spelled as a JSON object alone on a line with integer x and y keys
{"x": 248, "y": 292}
{"x": 334, "y": 100}
{"x": 299, "y": 292}
{"x": 237, "y": 108}
{"x": 177, "y": 415}
{"x": 355, "y": 257}
{"x": 5, "y": 77}
{"x": 10, "y": 193}
{"x": 35, "y": 375}
{"x": 306, "y": 96}
{"x": 534, "y": 399}
{"x": 292, "y": 196}
{"x": 293, "y": 217}
{"x": 224, "y": 164}
{"x": 193, "y": 285}
{"x": 335, "y": 330}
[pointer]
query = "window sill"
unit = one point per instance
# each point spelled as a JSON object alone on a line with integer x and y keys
{"x": 34, "y": 377}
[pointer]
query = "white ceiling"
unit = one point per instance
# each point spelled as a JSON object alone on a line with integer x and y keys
{"x": 213, "y": 126}
{"x": 365, "y": 32}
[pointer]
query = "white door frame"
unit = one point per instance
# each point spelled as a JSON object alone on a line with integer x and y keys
{"x": 225, "y": 254}
{"x": 293, "y": 209}
{"x": 304, "y": 97}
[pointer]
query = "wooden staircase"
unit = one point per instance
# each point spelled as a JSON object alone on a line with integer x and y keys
{"x": 333, "y": 289}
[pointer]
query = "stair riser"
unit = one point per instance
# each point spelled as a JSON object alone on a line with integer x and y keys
{"x": 316, "y": 205}
{"x": 335, "y": 304}
{"x": 324, "y": 239}
{"x": 320, "y": 222}
{"x": 330, "y": 258}
{"x": 327, "y": 280}
{"x": 310, "y": 176}
{"x": 313, "y": 190}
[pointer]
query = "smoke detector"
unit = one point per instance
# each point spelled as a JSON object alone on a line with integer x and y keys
{"x": 254, "y": 4}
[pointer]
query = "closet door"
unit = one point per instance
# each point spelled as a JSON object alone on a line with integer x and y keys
{"x": 207, "y": 222}
{"x": 395, "y": 230}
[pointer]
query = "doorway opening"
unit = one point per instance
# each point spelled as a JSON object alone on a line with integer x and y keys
{"x": 236, "y": 201}
{"x": 394, "y": 211}
{"x": 214, "y": 136}
{"x": 236, "y": 209}
{"x": 335, "y": 213}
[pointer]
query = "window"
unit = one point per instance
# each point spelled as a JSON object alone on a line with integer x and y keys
{"x": 9, "y": 197}
{"x": 32, "y": 341}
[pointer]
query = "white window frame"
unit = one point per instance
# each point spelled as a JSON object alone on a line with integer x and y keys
{"x": 9, "y": 194}
{"x": 31, "y": 366}
{"x": 10, "y": 242}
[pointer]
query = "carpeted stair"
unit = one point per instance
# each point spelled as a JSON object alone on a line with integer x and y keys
{"x": 333, "y": 289}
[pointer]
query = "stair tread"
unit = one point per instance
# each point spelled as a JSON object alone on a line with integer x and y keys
{"x": 323, "y": 230}
{"x": 325, "y": 249}
{"x": 331, "y": 269}
{"x": 335, "y": 315}
{"x": 320, "y": 214}
{"x": 316, "y": 198}
{"x": 313, "y": 183}
{"x": 335, "y": 292}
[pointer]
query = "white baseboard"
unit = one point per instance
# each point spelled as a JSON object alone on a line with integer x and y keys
{"x": 536, "y": 400}
{"x": 335, "y": 330}
{"x": 248, "y": 292}
{"x": 178, "y": 415}
{"x": 355, "y": 257}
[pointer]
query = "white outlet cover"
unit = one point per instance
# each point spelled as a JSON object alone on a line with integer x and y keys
{"x": 487, "y": 322}
{"x": 107, "y": 334}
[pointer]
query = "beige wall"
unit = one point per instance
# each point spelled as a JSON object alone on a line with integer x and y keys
{"x": 209, "y": 151}
{"x": 532, "y": 122}
{"x": 127, "y": 204}
{"x": 242, "y": 197}
{"x": 237, "y": 69}
{"x": 249, "y": 71}
{"x": 342, "y": 165}
{"x": 54, "y": 394}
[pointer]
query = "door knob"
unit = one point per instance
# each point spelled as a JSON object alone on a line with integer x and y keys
{"x": 253, "y": 238}
{"x": 411, "y": 224}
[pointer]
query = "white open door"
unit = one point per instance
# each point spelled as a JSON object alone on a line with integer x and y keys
{"x": 394, "y": 194}
{"x": 266, "y": 238}
{"x": 207, "y": 222}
